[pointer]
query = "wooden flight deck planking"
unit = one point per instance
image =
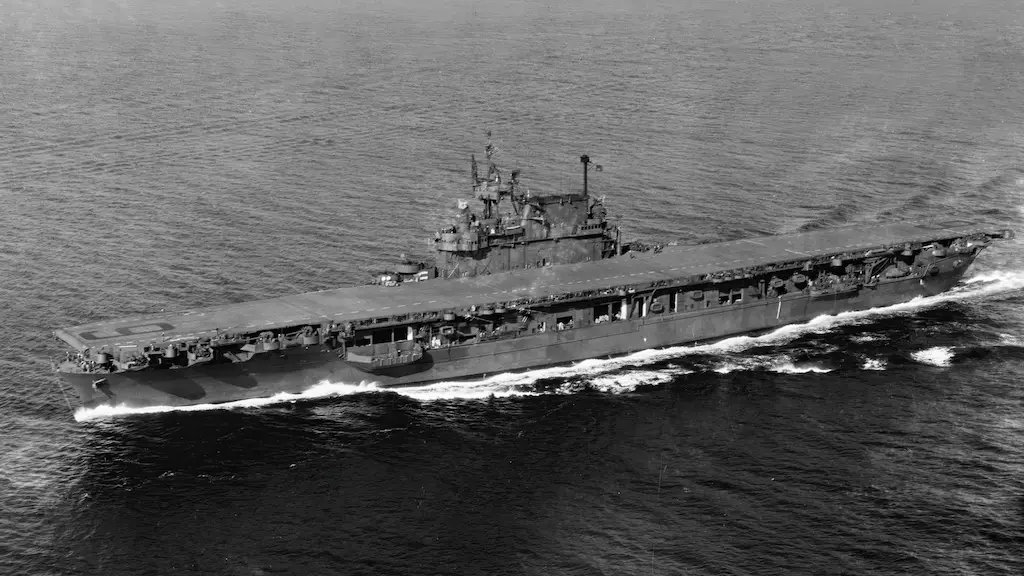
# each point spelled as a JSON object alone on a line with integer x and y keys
{"x": 374, "y": 301}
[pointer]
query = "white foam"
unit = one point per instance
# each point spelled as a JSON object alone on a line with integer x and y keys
{"x": 727, "y": 367}
{"x": 318, "y": 391}
{"x": 737, "y": 365}
{"x": 936, "y": 356}
{"x": 631, "y": 380}
{"x": 782, "y": 364}
{"x": 791, "y": 368}
{"x": 520, "y": 383}
{"x": 874, "y": 364}
{"x": 1001, "y": 280}
{"x": 1010, "y": 340}
{"x": 471, "y": 390}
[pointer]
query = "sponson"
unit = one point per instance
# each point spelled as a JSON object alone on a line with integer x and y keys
{"x": 531, "y": 280}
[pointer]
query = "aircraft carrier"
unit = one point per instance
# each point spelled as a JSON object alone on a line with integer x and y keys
{"x": 529, "y": 281}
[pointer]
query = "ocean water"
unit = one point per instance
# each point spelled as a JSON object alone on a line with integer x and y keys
{"x": 157, "y": 156}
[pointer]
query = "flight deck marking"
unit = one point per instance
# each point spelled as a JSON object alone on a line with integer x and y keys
{"x": 127, "y": 331}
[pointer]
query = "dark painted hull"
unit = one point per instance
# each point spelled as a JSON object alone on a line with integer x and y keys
{"x": 299, "y": 369}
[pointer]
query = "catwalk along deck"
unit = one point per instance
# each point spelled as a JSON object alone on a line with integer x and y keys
{"x": 531, "y": 280}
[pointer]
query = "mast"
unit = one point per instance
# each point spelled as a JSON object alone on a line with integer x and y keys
{"x": 585, "y": 160}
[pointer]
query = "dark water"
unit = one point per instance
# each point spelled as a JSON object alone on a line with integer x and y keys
{"x": 160, "y": 157}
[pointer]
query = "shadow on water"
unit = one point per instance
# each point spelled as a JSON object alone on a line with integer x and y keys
{"x": 269, "y": 485}
{"x": 245, "y": 491}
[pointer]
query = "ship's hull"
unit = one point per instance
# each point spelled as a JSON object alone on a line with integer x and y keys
{"x": 298, "y": 369}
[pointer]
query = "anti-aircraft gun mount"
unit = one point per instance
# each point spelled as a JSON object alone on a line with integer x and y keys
{"x": 516, "y": 229}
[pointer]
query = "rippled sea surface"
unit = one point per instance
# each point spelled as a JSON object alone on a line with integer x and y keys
{"x": 157, "y": 156}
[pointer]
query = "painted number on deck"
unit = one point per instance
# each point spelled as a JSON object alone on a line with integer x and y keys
{"x": 126, "y": 331}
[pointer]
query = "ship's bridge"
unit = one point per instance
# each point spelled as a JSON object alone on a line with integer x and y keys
{"x": 520, "y": 230}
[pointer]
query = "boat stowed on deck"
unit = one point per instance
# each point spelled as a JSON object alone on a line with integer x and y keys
{"x": 442, "y": 329}
{"x": 675, "y": 265}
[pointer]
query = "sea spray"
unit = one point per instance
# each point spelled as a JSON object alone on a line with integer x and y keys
{"x": 599, "y": 371}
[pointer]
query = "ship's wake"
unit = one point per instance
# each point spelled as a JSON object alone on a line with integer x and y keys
{"x": 653, "y": 367}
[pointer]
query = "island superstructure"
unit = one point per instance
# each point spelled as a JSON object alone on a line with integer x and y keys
{"x": 531, "y": 280}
